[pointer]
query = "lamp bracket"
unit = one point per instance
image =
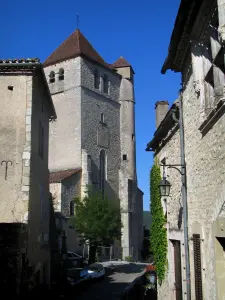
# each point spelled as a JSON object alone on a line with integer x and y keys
{"x": 179, "y": 168}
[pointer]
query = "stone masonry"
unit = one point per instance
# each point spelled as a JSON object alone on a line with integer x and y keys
{"x": 203, "y": 115}
{"x": 95, "y": 107}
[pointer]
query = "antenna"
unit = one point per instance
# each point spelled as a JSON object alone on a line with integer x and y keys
{"x": 78, "y": 21}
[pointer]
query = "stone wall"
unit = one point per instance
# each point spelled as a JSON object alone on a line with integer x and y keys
{"x": 13, "y": 125}
{"x": 205, "y": 161}
{"x": 39, "y": 204}
{"x": 94, "y": 103}
{"x": 172, "y": 207}
{"x": 71, "y": 188}
{"x": 65, "y": 132}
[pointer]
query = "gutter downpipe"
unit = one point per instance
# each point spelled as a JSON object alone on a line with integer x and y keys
{"x": 184, "y": 194}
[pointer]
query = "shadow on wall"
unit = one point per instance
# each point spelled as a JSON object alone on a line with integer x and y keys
{"x": 111, "y": 194}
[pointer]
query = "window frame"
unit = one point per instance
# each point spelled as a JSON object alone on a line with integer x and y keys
{"x": 106, "y": 84}
{"x": 97, "y": 83}
{"x": 52, "y": 77}
{"x": 61, "y": 74}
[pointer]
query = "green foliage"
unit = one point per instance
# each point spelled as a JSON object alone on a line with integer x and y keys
{"x": 96, "y": 219}
{"x": 129, "y": 258}
{"x": 158, "y": 234}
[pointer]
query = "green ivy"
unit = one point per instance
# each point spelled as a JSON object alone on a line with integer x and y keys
{"x": 158, "y": 234}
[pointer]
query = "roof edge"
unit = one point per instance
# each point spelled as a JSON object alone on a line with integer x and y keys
{"x": 178, "y": 30}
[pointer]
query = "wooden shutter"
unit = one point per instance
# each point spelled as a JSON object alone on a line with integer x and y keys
{"x": 197, "y": 266}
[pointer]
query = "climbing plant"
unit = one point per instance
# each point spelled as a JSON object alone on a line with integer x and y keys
{"x": 158, "y": 235}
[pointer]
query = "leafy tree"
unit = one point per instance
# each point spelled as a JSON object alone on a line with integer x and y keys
{"x": 97, "y": 220}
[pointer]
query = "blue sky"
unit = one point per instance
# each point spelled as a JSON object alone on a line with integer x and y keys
{"x": 138, "y": 30}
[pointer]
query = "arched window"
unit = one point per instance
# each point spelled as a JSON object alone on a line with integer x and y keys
{"x": 71, "y": 208}
{"x": 102, "y": 171}
{"x": 96, "y": 80}
{"x": 61, "y": 74}
{"x": 106, "y": 84}
{"x": 52, "y": 77}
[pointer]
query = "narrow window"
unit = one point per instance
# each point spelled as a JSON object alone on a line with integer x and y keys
{"x": 130, "y": 190}
{"x": 61, "y": 74}
{"x": 96, "y": 80}
{"x": 105, "y": 84}
{"x": 133, "y": 137}
{"x": 52, "y": 77}
{"x": 102, "y": 118}
{"x": 71, "y": 208}
{"x": 41, "y": 140}
{"x": 102, "y": 171}
{"x": 124, "y": 157}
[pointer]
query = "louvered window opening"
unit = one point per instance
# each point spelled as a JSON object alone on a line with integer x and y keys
{"x": 197, "y": 266}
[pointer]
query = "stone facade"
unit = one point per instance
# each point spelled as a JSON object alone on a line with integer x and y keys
{"x": 203, "y": 115}
{"x": 24, "y": 191}
{"x": 95, "y": 120}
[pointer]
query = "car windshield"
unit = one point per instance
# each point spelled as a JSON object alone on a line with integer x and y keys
{"x": 95, "y": 268}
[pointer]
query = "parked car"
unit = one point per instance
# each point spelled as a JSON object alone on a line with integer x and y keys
{"x": 76, "y": 276}
{"x": 75, "y": 260}
{"x": 96, "y": 271}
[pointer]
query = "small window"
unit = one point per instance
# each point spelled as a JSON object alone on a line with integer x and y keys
{"x": 41, "y": 140}
{"x": 133, "y": 137}
{"x": 105, "y": 84}
{"x": 96, "y": 80}
{"x": 124, "y": 157}
{"x": 71, "y": 208}
{"x": 52, "y": 77}
{"x": 102, "y": 118}
{"x": 61, "y": 74}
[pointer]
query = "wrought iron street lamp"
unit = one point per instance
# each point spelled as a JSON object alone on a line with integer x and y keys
{"x": 164, "y": 187}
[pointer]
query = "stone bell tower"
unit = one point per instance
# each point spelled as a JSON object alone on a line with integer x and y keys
{"x": 128, "y": 177}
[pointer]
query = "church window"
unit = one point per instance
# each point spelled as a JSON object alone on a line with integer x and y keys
{"x": 61, "y": 74}
{"x": 71, "y": 208}
{"x": 96, "y": 80}
{"x": 102, "y": 170}
{"x": 52, "y": 77}
{"x": 105, "y": 84}
{"x": 124, "y": 157}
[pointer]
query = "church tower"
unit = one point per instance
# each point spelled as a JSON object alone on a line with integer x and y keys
{"x": 128, "y": 176}
{"x": 93, "y": 139}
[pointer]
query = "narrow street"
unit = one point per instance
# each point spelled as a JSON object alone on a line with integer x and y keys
{"x": 112, "y": 286}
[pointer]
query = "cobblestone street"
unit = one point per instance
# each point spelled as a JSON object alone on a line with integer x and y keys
{"x": 114, "y": 283}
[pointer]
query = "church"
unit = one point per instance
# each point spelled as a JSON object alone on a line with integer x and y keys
{"x": 92, "y": 142}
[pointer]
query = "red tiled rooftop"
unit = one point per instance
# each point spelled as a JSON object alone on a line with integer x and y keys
{"x": 75, "y": 45}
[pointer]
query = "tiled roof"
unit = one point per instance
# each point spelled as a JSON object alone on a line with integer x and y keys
{"x": 75, "y": 45}
{"x": 61, "y": 175}
{"x": 121, "y": 63}
{"x": 20, "y": 60}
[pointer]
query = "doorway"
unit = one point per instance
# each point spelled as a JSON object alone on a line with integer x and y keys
{"x": 177, "y": 270}
{"x": 220, "y": 266}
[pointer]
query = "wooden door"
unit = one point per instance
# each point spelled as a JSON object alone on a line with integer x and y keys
{"x": 178, "y": 271}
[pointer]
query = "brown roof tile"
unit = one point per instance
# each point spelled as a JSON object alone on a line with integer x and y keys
{"x": 121, "y": 63}
{"x": 61, "y": 175}
{"x": 75, "y": 45}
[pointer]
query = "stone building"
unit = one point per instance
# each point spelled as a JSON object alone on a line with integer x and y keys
{"x": 197, "y": 51}
{"x": 26, "y": 107}
{"x": 93, "y": 139}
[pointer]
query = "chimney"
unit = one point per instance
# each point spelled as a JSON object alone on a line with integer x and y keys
{"x": 161, "y": 108}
